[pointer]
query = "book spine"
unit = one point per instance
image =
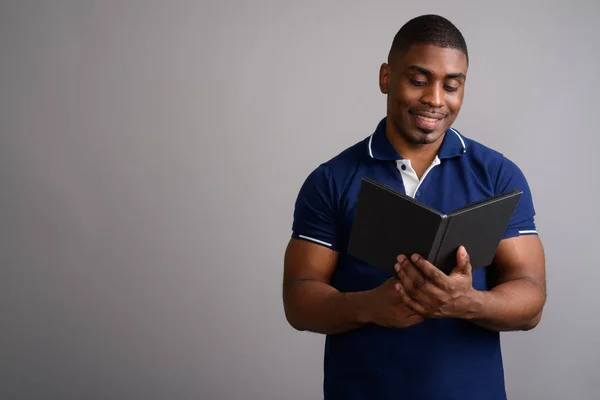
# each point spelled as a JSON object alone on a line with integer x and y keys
{"x": 437, "y": 242}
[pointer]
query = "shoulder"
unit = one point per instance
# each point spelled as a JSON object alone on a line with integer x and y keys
{"x": 502, "y": 175}
{"x": 495, "y": 163}
{"x": 348, "y": 158}
{"x": 336, "y": 170}
{"x": 318, "y": 203}
{"x": 478, "y": 152}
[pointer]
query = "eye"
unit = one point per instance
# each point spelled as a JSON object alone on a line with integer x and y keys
{"x": 418, "y": 83}
{"x": 450, "y": 88}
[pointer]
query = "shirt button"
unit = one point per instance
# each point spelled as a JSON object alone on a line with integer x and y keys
{"x": 418, "y": 192}
{"x": 403, "y": 167}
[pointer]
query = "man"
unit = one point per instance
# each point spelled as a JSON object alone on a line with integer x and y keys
{"x": 424, "y": 334}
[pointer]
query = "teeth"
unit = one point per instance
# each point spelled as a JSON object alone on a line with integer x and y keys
{"x": 427, "y": 119}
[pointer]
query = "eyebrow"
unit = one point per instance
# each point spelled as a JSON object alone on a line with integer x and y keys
{"x": 428, "y": 72}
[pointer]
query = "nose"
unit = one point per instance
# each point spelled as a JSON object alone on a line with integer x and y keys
{"x": 433, "y": 95}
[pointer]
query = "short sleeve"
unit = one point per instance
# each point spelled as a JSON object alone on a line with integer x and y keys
{"x": 522, "y": 222}
{"x": 315, "y": 211}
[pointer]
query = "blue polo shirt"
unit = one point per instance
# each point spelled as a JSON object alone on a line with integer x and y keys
{"x": 439, "y": 358}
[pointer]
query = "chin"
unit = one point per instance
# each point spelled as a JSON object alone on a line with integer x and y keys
{"x": 425, "y": 137}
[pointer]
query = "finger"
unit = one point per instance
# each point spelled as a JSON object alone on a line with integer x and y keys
{"x": 433, "y": 296}
{"x": 409, "y": 301}
{"x": 419, "y": 281}
{"x": 463, "y": 262}
{"x": 413, "y": 286}
{"x": 430, "y": 271}
{"x": 401, "y": 259}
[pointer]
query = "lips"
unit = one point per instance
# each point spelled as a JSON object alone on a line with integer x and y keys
{"x": 426, "y": 120}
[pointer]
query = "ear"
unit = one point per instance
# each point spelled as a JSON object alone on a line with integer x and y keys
{"x": 384, "y": 78}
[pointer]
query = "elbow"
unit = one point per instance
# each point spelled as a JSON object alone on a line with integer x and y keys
{"x": 294, "y": 323}
{"x": 297, "y": 327}
{"x": 292, "y": 318}
{"x": 529, "y": 326}
{"x": 533, "y": 323}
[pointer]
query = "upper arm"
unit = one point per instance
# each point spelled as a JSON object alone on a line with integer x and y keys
{"x": 316, "y": 210}
{"x": 521, "y": 257}
{"x": 313, "y": 249}
{"x": 520, "y": 254}
{"x": 522, "y": 222}
{"x": 306, "y": 261}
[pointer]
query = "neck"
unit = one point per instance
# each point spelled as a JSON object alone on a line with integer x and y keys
{"x": 412, "y": 151}
{"x": 420, "y": 155}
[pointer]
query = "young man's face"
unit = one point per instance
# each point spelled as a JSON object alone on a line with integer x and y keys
{"x": 425, "y": 88}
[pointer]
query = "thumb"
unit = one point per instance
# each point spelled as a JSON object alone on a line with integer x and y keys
{"x": 463, "y": 262}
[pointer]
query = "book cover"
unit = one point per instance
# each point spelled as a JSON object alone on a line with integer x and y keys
{"x": 388, "y": 223}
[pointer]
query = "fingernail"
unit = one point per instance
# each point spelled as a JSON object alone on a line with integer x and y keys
{"x": 397, "y": 286}
{"x": 415, "y": 258}
{"x": 397, "y": 267}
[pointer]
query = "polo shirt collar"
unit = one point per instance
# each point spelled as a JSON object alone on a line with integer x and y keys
{"x": 380, "y": 148}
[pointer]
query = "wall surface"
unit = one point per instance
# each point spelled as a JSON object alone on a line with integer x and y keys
{"x": 151, "y": 152}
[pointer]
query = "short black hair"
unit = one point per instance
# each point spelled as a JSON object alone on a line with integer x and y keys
{"x": 428, "y": 29}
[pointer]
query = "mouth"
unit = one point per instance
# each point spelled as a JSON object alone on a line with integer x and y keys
{"x": 427, "y": 122}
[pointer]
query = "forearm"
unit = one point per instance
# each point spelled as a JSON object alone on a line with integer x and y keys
{"x": 317, "y": 307}
{"x": 510, "y": 306}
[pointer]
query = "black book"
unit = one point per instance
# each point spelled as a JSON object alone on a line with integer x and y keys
{"x": 388, "y": 223}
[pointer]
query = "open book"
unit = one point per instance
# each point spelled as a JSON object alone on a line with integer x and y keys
{"x": 388, "y": 223}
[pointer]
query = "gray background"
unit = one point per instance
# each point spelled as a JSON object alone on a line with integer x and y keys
{"x": 151, "y": 153}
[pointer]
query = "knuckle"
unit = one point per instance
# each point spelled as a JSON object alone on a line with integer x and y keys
{"x": 433, "y": 274}
{"x": 403, "y": 295}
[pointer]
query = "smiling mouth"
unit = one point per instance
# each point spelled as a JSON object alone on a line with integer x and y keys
{"x": 427, "y": 119}
{"x": 425, "y": 123}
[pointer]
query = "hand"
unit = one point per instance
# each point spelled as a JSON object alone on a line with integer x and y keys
{"x": 386, "y": 308}
{"x": 431, "y": 293}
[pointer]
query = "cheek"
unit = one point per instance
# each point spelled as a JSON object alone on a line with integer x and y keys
{"x": 454, "y": 102}
{"x": 405, "y": 99}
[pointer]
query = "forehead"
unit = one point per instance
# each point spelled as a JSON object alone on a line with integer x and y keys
{"x": 439, "y": 60}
